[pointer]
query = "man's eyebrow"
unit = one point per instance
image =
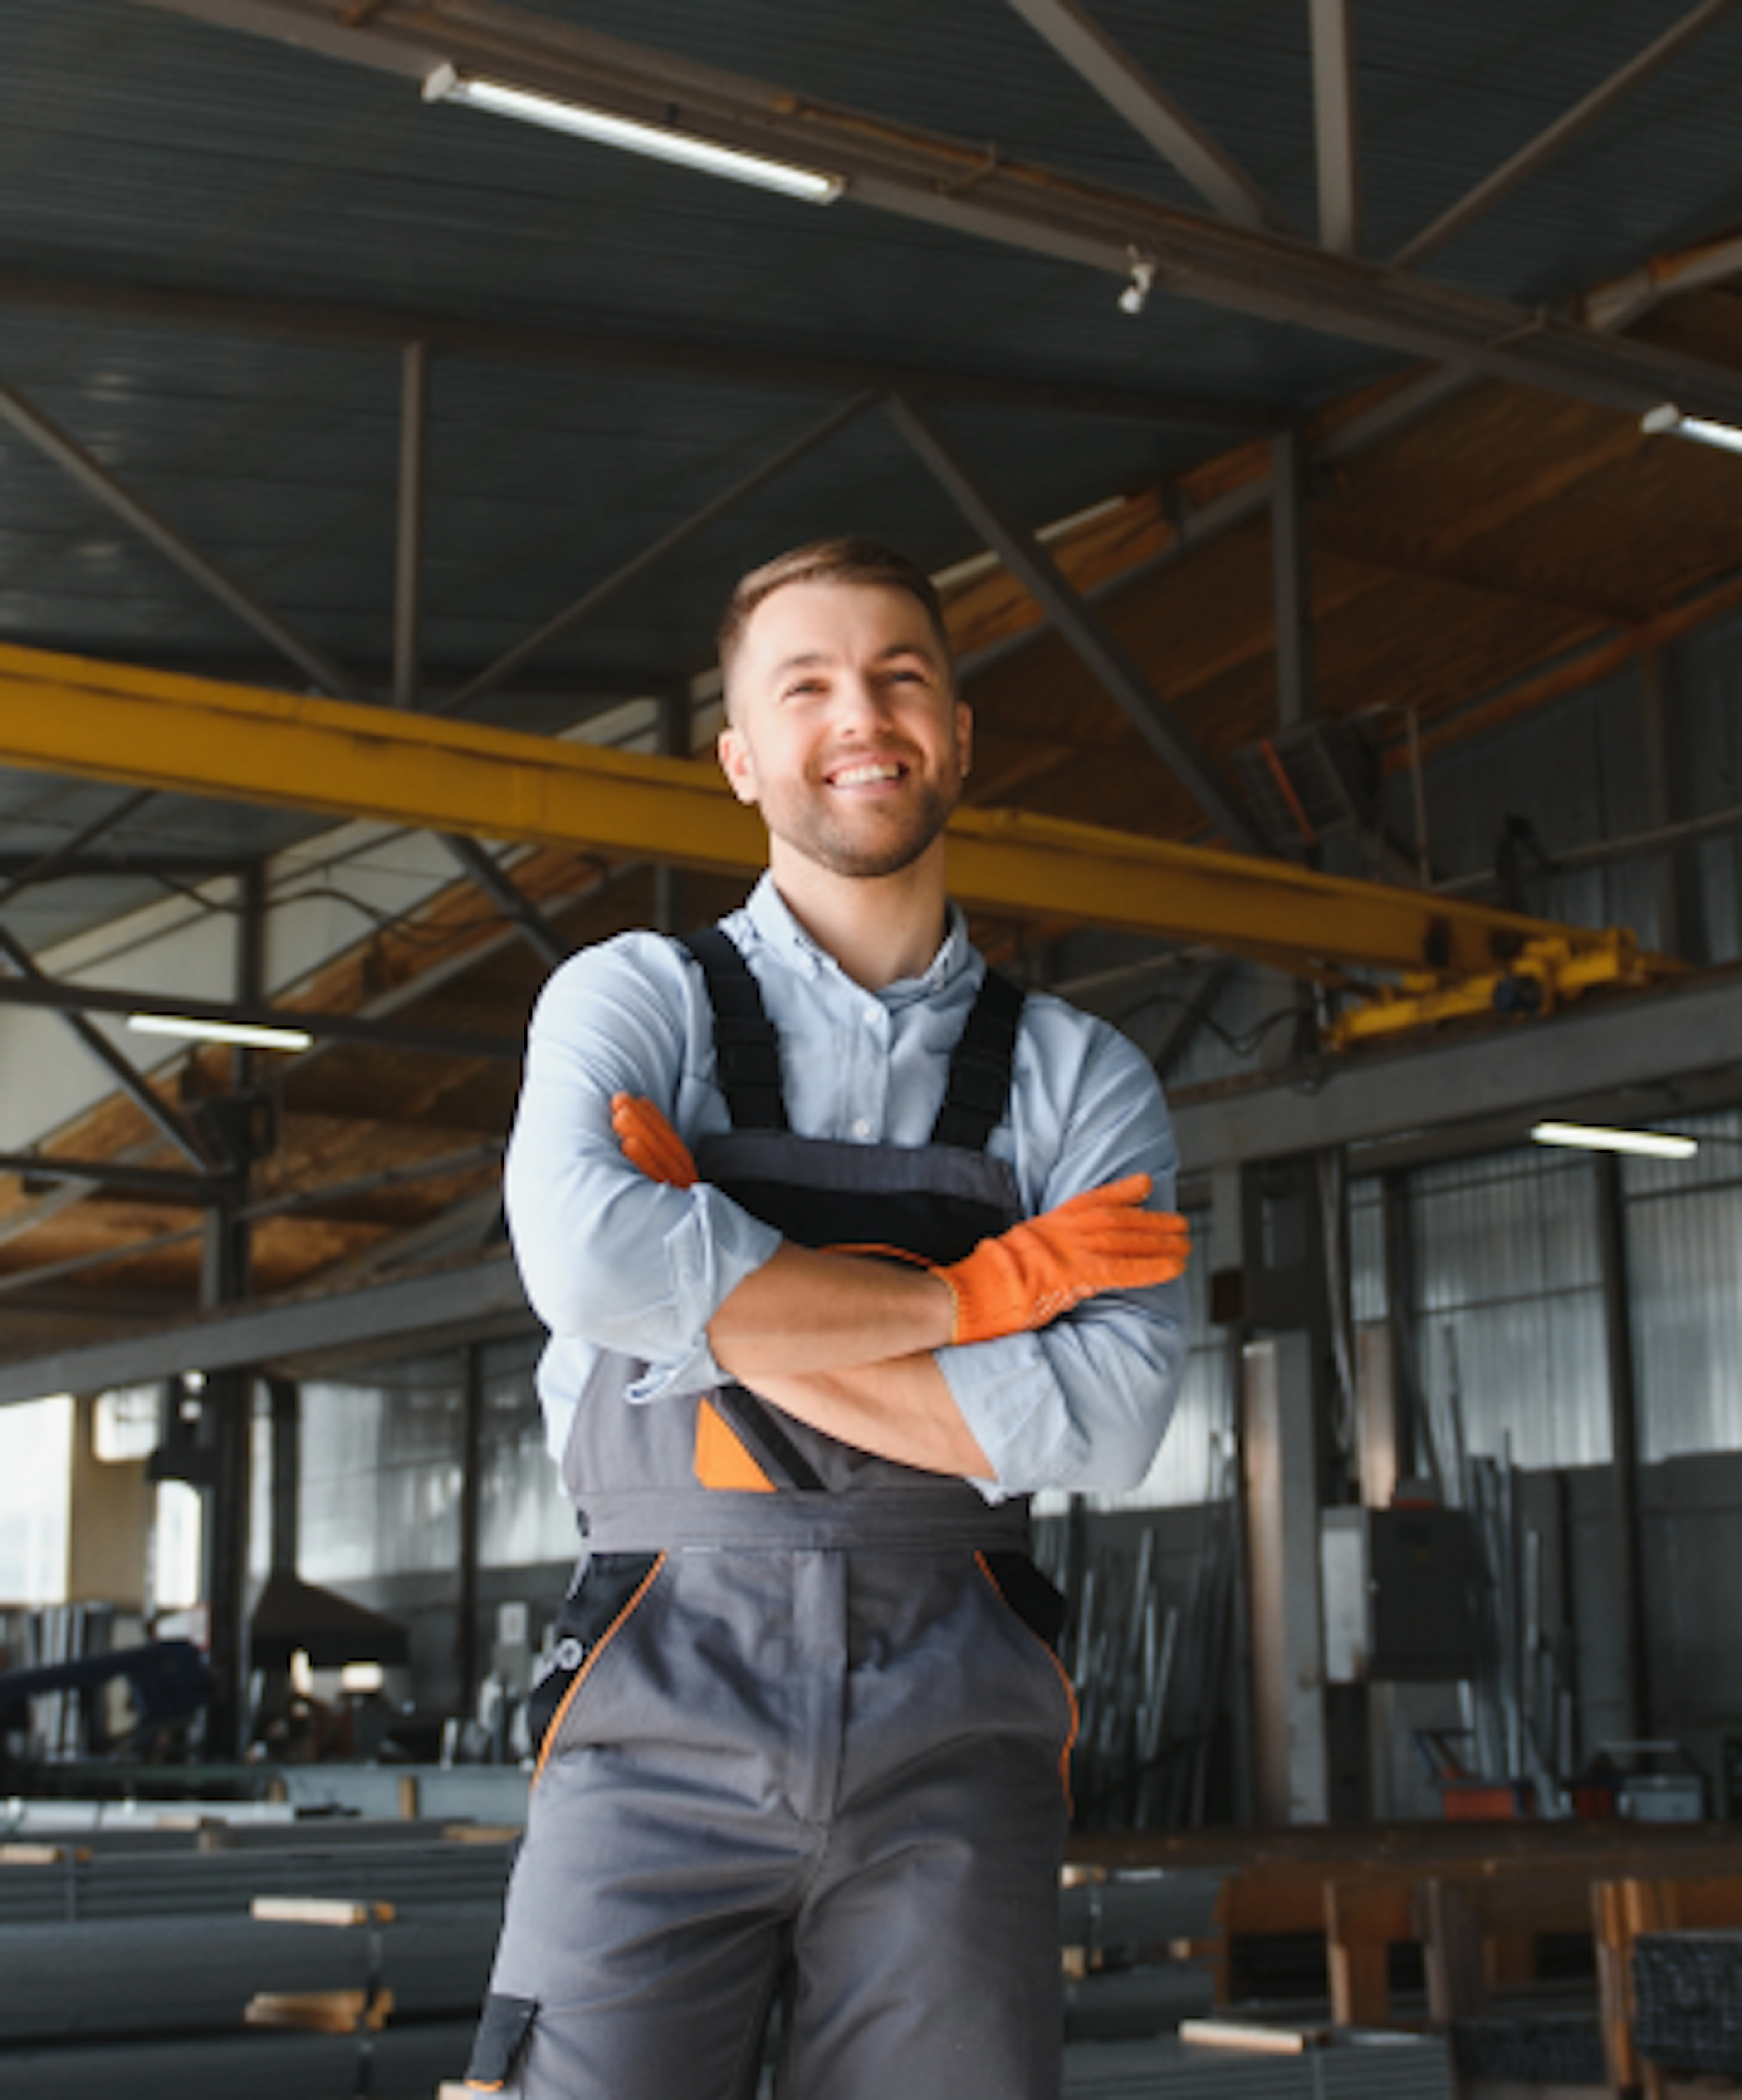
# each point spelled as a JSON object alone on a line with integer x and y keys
{"x": 806, "y": 658}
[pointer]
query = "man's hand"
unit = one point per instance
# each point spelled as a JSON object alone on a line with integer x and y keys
{"x": 1101, "y": 1240}
{"x": 650, "y": 1143}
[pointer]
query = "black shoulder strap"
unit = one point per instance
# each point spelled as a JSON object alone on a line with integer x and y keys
{"x": 979, "y": 1083}
{"x": 746, "y": 1047}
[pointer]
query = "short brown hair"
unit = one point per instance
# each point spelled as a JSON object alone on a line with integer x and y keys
{"x": 844, "y": 561}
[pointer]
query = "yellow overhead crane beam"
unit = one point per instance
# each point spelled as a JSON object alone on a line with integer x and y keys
{"x": 149, "y": 729}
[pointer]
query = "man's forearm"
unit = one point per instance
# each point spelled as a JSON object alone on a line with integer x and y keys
{"x": 902, "y": 1409}
{"x": 805, "y": 1311}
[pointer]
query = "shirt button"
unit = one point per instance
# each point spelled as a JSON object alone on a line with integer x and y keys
{"x": 862, "y": 1129}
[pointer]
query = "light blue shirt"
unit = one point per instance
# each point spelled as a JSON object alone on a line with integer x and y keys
{"x": 614, "y": 1262}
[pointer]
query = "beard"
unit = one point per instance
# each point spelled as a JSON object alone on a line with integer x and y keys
{"x": 866, "y": 842}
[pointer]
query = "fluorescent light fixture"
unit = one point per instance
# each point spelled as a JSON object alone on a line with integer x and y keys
{"x": 810, "y": 185}
{"x": 242, "y": 1033}
{"x": 1667, "y": 421}
{"x": 1594, "y": 1137}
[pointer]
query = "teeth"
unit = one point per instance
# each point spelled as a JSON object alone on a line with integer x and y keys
{"x": 854, "y": 776}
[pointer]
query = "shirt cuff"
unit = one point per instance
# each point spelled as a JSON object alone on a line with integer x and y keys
{"x": 708, "y": 1255}
{"x": 1009, "y": 1398}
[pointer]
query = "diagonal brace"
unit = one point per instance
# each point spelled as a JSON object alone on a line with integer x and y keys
{"x": 1101, "y": 650}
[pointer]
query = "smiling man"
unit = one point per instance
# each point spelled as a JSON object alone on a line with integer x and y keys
{"x": 846, "y": 1248}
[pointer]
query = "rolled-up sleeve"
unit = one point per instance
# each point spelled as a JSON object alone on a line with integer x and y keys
{"x": 607, "y": 1256}
{"x": 1083, "y": 1404}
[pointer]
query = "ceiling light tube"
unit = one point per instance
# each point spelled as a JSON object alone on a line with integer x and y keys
{"x": 1668, "y": 420}
{"x": 244, "y": 1034}
{"x": 579, "y": 121}
{"x": 1594, "y": 1137}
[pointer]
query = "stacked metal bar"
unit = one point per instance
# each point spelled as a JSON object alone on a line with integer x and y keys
{"x": 1398, "y": 2067}
{"x": 1687, "y": 1999}
{"x": 1543, "y": 2050}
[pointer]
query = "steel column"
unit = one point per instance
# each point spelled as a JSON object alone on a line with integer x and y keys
{"x": 1291, "y": 577}
{"x": 1628, "y": 1535}
{"x": 1101, "y": 650}
{"x": 414, "y": 457}
{"x": 1336, "y": 125}
{"x": 96, "y": 479}
{"x": 467, "y": 1647}
{"x": 1293, "y": 1779}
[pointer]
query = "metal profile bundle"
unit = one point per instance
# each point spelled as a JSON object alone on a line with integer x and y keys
{"x": 1389, "y": 2067}
{"x": 188, "y": 1975}
{"x": 1561, "y": 2048}
{"x": 1687, "y": 1999}
{"x": 408, "y": 2063}
{"x": 87, "y": 1885}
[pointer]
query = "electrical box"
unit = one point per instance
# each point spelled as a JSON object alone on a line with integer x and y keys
{"x": 1395, "y": 1589}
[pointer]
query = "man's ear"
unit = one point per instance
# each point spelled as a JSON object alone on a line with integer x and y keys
{"x": 964, "y": 735}
{"x": 736, "y": 764}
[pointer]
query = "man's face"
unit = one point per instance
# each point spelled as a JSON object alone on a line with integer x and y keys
{"x": 845, "y": 729}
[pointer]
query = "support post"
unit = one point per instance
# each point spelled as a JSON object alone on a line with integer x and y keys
{"x": 1337, "y": 126}
{"x": 1680, "y": 931}
{"x": 285, "y": 1398}
{"x": 408, "y": 596}
{"x": 1291, "y": 577}
{"x": 1292, "y": 1765}
{"x": 466, "y": 1646}
{"x": 1623, "y": 1432}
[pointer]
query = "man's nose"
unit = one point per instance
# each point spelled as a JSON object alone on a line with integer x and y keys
{"x": 861, "y": 702}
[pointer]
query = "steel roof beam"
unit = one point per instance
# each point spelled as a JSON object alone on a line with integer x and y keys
{"x": 105, "y": 721}
{"x": 1654, "y": 1046}
{"x": 58, "y": 860}
{"x": 1041, "y": 210}
{"x": 115, "y": 497}
{"x": 407, "y": 1310}
{"x": 195, "y": 1189}
{"x": 1336, "y": 126}
{"x": 591, "y": 601}
{"x": 1101, "y": 649}
{"x": 54, "y": 995}
{"x": 1559, "y": 134}
{"x": 325, "y": 324}
{"x": 1120, "y": 82}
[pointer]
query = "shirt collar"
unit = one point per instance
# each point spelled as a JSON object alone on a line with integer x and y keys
{"x": 769, "y": 914}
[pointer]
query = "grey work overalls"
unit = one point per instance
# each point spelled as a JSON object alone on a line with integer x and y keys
{"x": 805, "y": 1733}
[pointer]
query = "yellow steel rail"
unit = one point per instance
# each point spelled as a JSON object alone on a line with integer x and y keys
{"x": 70, "y": 715}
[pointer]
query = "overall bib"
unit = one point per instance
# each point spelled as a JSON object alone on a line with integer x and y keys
{"x": 805, "y": 1733}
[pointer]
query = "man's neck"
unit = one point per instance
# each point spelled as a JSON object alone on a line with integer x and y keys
{"x": 879, "y": 928}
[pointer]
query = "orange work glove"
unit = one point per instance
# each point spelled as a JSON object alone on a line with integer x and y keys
{"x": 650, "y": 1143}
{"x": 1099, "y": 1240}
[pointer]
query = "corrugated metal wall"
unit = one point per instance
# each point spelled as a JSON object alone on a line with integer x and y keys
{"x": 1508, "y": 1309}
{"x": 1684, "y": 1252}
